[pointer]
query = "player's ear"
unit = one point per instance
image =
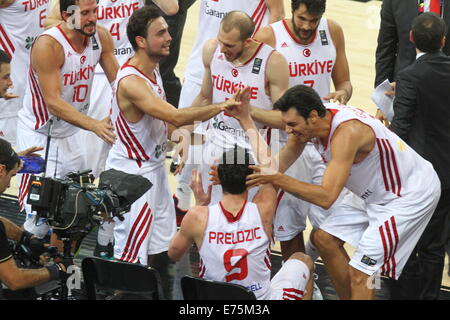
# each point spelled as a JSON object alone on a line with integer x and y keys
{"x": 140, "y": 41}
{"x": 3, "y": 171}
{"x": 313, "y": 116}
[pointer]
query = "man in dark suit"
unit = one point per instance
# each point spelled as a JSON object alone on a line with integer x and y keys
{"x": 422, "y": 113}
{"x": 395, "y": 51}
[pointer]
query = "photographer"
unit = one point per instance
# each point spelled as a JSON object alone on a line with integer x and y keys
{"x": 14, "y": 277}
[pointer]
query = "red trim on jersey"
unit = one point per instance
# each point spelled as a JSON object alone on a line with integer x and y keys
{"x": 85, "y": 44}
{"x": 202, "y": 269}
{"x": 293, "y": 36}
{"x": 261, "y": 3}
{"x": 229, "y": 215}
{"x": 394, "y": 230}
{"x": 259, "y": 14}
{"x": 333, "y": 113}
{"x": 383, "y": 170}
{"x": 146, "y": 76}
{"x": 42, "y": 113}
{"x": 267, "y": 259}
{"x": 5, "y": 43}
{"x": 128, "y": 143}
{"x": 131, "y": 237}
{"x": 23, "y": 189}
{"x": 383, "y": 240}
{"x": 280, "y": 195}
{"x": 252, "y": 57}
{"x": 135, "y": 140}
{"x": 394, "y": 164}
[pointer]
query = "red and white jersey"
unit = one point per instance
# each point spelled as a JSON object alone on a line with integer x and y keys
{"x": 224, "y": 130}
{"x": 144, "y": 143}
{"x": 210, "y": 15}
{"x": 77, "y": 74}
{"x": 310, "y": 64}
{"x": 20, "y": 24}
{"x": 236, "y": 249}
{"x": 114, "y": 16}
{"x": 391, "y": 170}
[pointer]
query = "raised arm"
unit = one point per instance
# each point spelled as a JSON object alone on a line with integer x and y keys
{"x": 276, "y": 10}
{"x": 169, "y": 7}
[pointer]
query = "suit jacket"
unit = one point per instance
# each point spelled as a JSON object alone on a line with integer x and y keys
{"x": 395, "y": 51}
{"x": 422, "y": 110}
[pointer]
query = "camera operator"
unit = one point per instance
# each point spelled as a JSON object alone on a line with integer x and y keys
{"x": 14, "y": 277}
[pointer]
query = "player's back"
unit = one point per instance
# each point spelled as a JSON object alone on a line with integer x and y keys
{"x": 141, "y": 144}
{"x": 236, "y": 249}
{"x": 390, "y": 171}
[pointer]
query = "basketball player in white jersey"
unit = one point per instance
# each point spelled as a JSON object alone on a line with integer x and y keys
{"x": 113, "y": 16}
{"x": 20, "y": 23}
{"x": 211, "y": 13}
{"x": 58, "y": 90}
{"x": 315, "y": 50}
{"x": 233, "y": 60}
{"x": 143, "y": 121}
{"x": 233, "y": 237}
{"x": 400, "y": 188}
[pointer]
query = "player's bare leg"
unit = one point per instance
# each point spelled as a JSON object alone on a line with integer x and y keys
{"x": 359, "y": 287}
{"x": 336, "y": 261}
{"x": 289, "y": 247}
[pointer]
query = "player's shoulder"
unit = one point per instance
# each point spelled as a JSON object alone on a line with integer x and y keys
{"x": 210, "y": 46}
{"x": 265, "y": 35}
{"x": 103, "y": 33}
{"x": 334, "y": 27}
{"x": 195, "y": 218}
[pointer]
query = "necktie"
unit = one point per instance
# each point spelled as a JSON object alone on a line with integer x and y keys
{"x": 435, "y": 6}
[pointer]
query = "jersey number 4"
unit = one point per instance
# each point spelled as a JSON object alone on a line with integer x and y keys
{"x": 239, "y": 257}
{"x": 115, "y": 31}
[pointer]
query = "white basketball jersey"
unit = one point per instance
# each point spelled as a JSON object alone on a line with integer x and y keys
{"x": 236, "y": 249}
{"x": 210, "y": 15}
{"x": 391, "y": 170}
{"x": 77, "y": 74}
{"x": 20, "y": 24}
{"x": 114, "y": 16}
{"x": 224, "y": 130}
{"x": 143, "y": 142}
{"x": 310, "y": 64}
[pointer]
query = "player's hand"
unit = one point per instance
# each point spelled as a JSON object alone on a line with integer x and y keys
{"x": 238, "y": 106}
{"x": 196, "y": 184}
{"x": 340, "y": 96}
{"x": 9, "y": 96}
{"x": 381, "y": 116}
{"x": 105, "y": 130}
{"x": 182, "y": 137}
{"x": 30, "y": 152}
{"x": 213, "y": 175}
{"x": 391, "y": 93}
{"x": 262, "y": 175}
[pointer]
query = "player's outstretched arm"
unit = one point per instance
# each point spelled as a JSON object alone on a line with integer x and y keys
{"x": 169, "y": 7}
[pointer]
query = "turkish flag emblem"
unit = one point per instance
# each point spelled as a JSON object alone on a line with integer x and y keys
{"x": 82, "y": 59}
{"x": 306, "y": 52}
{"x": 234, "y": 72}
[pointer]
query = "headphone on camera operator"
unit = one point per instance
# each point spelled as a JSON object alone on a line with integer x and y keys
{"x": 10, "y": 274}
